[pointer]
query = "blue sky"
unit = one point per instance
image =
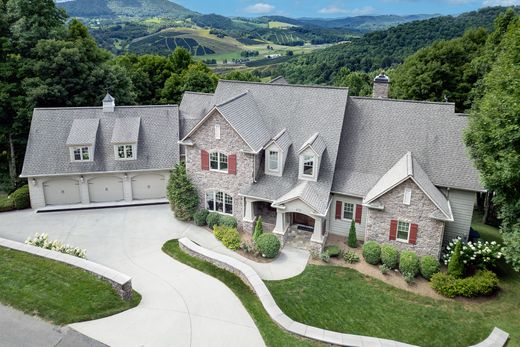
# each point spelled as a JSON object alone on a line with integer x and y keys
{"x": 336, "y": 8}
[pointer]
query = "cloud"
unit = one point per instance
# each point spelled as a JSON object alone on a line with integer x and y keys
{"x": 260, "y": 8}
{"x": 501, "y": 2}
{"x": 332, "y": 10}
{"x": 360, "y": 11}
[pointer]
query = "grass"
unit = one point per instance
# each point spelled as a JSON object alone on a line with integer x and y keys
{"x": 55, "y": 291}
{"x": 487, "y": 232}
{"x": 271, "y": 333}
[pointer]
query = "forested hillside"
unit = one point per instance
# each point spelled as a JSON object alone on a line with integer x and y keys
{"x": 382, "y": 49}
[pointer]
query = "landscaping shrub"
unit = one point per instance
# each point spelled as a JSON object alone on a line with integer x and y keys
{"x": 231, "y": 238}
{"x": 409, "y": 277}
{"x": 6, "y": 204}
{"x": 384, "y": 269}
{"x": 482, "y": 255}
{"x": 409, "y": 263}
{"x": 213, "y": 219}
{"x": 181, "y": 193}
{"x": 42, "y": 241}
{"x": 352, "y": 238}
{"x": 218, "y": 231}
{"x": 389, "y": 256}
{"x": 325, "y": 257}
{"x": 200, "y": 217}
{"x": 351, "y": 257}
{"x": 372, "y": 252}
{"x": 333, "y": 251}
{"x": 268, "y": 245}
{"x": 259, "y": 228}
{"x": 429, "y": 266}
{"x": 455, "y": 265}
{"x": 228, "y": 221}
{"x": 249, "y": 247}
{"x": 20, "y": 198}
{"x": 484, "y": 282}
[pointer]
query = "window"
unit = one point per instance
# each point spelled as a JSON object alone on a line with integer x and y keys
{"x": 218, "y": 162}
{"x": 308, "y": 165}
{"x": 125, "y": 152}
{"x": 403, "y": 231}
{"x": 217, "y": 131}
{"x": 273, "y": 160}
{"x": 348, "y": 210}
{"x": 219, "y": 202}
{"x": 81, "y": 153}
{"x": 407, "y": 196}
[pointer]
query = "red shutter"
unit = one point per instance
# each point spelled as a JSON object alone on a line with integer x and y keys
{"x": 204, "y": 160}
{"x": 413, "y": 234}
{"x": 359, "y": 211}
{"x": 338, "y": 209}
{"x": 393, "y": 229}
{"x": 232, "y": 164}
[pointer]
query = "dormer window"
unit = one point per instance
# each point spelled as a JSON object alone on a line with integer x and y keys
{"x": 82, "y": 153}
{"x": 273, "y": 160}
{"x": 218, "y": 162}
{"x": 310, "y": 157}
{"x": 308, "y": 165}
{"x": 125, "y": 152}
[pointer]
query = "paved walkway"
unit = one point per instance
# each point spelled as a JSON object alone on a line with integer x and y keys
{"x": 181, "y": 306}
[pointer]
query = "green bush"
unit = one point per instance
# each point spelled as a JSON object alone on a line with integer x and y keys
{"x": 6, "y": 204}
{"x": 351, "y": 257}
{"x": 389, "y": 256}
{"x": 352, "y": 238}
{"x": 429, "y": 266}
{"x": 455, "y": 265}
{"x": 218, "y": 231}
{"x": 333, "y": 251}
{"x": 228, "y": 221}
{"x": 182, "y": 194}
{"x": 20, "y": 198}
{"x": 268, "y": 245}
{"x": 325, "y": 257}
{"x": 200, "y": 217}
{"x": 213, "y": 219}
{"x": 409, "y": 263}
{"x": 228, "y": 236}
{"x": 259, "y": 228}
{"x": 384, "y": 269}
{"x": 482, "y": 283}
{"x": 409, "y": 277}
{"x": 372, "y": 252}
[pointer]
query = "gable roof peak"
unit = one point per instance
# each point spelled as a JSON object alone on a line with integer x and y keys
{"x": 108, "y": 98}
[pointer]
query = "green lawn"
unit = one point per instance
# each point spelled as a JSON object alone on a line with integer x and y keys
{"x": 271, "y": 333}
{"x": 487, "y": 232}
{"x": 55, "y": 291}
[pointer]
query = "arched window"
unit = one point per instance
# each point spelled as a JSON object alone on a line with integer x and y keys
{"x": 218, "y": 162}
{"x": 219, "y": 202}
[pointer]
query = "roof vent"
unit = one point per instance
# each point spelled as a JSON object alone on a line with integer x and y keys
{"x": 381, "y": 86}
{"x": 109, "y": 103}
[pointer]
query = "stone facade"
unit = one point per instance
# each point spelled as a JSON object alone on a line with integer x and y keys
{"x": 430, "y": 231}
{"x": 230, "y": 143}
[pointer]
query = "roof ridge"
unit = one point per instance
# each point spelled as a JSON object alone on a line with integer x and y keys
{"x": 277, "y": 136}
{"x": 232, "y": 99}
{"x": 287, "y": 85}
{"x": 404, "y": 100}
{"x": 101, "y": 107}
{"x": 199, "y": 93}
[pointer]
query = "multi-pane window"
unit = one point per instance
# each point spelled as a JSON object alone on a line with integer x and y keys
{"x": 218, "y": 161}
{"x": 403, "y": 230}
{"x": 308, "y": 165}
{"x": 219, "y": 202}
{"x": 348, "y": 210}
{"x": 81, "y": 154}
{"x": 273, "y": 160}
{"x": 125, "y": 152}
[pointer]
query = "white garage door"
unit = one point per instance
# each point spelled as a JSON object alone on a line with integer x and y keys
{"x": 105, "y": 189}
{"x": 61, "y": 191}
{"x": 148, "y": 186}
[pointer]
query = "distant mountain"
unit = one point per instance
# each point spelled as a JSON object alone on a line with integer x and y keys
{"x": 130, "y": 8}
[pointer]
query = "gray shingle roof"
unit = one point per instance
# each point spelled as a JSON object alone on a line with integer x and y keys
{"x": 279, "y": 80}
{"x": 377, "y": 132}
{"x": 47, "y": 152}
{"x": 108, "y": 98}
{"x": 83, "y": 132}
{"x": 304, "y": 191}
{"x": 193, "y": 107}
{"x": 126, "y": 130}
{"x": 315, "y": 142}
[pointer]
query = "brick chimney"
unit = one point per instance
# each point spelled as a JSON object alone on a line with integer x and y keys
{"x": 109, "y": 103}
{"x": 381, "y": 86}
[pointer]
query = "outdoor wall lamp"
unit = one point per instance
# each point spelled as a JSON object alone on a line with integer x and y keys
{"x": 81, "y": 179}
{"x": 34, "y": 181}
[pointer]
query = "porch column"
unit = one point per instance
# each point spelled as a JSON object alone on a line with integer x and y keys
{"x": 280, "y": 222}
{"x": 317, "y": 233}
{"x": 249, "y": 215}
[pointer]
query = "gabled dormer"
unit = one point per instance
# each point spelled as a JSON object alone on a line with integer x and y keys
{"x": 125, "y": 137}
{"x": 310, "y": 155}
{"x": 81, "y": 141}
{"x": 276, "y": 153}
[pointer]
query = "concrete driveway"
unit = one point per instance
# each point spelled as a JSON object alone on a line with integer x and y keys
{"x": 180, "y": 307}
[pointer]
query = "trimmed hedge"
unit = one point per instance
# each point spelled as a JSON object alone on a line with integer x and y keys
{"x": 268, "y": 245}
{"x": 200, "y": 217}
{"x": 228, "y": 221}
{"x": 482, "y": 283}
{"x": 17, "y": 200}
{"x": 352, "y": 237}
{"x": 213, "y": 219}
{"x": 429, "y": 266}
{"x": 228, "y": 236}
{"x": 333, "y": 251}
{"x": 389, "y": 256}
{"x": 456, "y": 267}
{"x": 409, "y": 263}
{"x": 372, "y": 252}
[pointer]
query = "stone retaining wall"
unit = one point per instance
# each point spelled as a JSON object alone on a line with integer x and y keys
{"x": 120, "y": 282}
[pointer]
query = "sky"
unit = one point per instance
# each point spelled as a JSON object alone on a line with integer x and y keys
{"x": 337, "y": 8}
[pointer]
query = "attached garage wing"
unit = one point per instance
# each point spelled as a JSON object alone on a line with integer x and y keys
{"x": 148, "y": 186}
{"x": 105, "y": 189}
{"x": 61, "y": 191}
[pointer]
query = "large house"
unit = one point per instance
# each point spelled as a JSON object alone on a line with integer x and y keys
{"x": 308, "y": 159}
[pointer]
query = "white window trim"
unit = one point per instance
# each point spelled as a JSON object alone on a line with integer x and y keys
{"x": 407, "y": 198}
{"x": 315, "y": 167}
{"x": 214, "y": 192}
{"x": 134, "y": 151}
{"x": 397, "y": 231}
{"x": 90, "y": 154}
{"x": 343, "y": 211}
{"x": 218, "y": 162}
{"x": 217, "y": 131}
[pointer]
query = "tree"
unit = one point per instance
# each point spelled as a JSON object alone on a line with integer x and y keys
{"x": 358, "y": 83}
{"x": 352, "y": 237}
{"x": 241, "y": 76}
{"x": 259, "y": 228}
{"x": 180, "y": 59}
{"x": 493, "y": 137}
{"x": 182, "y": 194}
{"x": 455, "y": 265}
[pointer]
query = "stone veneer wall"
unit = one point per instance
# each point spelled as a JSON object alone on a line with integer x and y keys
{"x": 429, "y": 231}
{"x": 230, "y": 143}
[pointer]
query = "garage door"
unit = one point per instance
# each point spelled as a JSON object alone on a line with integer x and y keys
{"x": 61, "y": 192}
{"x": 148, "y": 186}
{"x": 105, "y": 189}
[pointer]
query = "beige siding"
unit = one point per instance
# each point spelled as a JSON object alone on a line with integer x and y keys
{"x": 342, "y": 226}
{"x": 462, "y": 204}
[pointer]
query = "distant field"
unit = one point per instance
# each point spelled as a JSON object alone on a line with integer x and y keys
{"x": 280, "y": 25}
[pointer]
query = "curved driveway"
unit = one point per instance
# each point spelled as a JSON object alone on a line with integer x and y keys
{"x": 180, "y": 307}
